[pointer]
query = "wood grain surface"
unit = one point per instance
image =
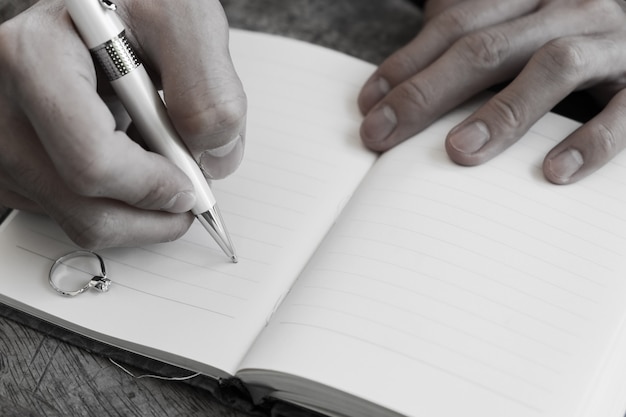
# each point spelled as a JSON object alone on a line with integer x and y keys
{"x": 43, "y": 376}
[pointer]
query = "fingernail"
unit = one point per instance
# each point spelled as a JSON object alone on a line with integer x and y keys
{"x": 469, "y": 138}
{"x": 565, "y": 164}
{"x": 374, "y": 90}
{"x": 180, "y": 203}
{"x": 220, "y": 162}
{"x": 379, "y": 124}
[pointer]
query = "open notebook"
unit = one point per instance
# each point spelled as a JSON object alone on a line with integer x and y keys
{"x": 368, "y": 286}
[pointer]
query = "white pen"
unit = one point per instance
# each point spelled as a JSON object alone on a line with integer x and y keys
{"x": 103, "y": 34}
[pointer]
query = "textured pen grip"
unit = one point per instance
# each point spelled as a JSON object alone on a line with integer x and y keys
{"x": 116, "y": 57}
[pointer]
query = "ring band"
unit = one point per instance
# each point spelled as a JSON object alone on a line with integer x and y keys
{"x": 99, "y": 282}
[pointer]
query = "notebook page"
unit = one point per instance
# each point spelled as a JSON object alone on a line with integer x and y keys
{"x": 446, "y": 290}
{"x": 184, "y": 302}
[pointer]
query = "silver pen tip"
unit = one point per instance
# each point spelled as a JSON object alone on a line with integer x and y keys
{"x": 213, "y": 223}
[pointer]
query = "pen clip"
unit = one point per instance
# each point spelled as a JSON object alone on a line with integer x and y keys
{"x": 108, "y": 4}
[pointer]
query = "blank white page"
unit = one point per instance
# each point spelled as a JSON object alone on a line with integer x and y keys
{"x": 184, "y": 302}
{"x": 446, "y": 290}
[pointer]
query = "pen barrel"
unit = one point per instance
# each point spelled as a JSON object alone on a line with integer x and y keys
{"x": 96, "y": 23}
{"x": 147, "y": 110}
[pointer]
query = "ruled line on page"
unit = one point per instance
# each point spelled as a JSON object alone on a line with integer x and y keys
{"x": 493, "y": 390}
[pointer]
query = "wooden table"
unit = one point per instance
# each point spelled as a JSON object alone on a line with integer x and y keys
{"x": 47, "y": 372}
{"x": 41, "y": 375}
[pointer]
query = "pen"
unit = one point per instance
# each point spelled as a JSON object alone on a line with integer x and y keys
{"x": 104, "y": 35}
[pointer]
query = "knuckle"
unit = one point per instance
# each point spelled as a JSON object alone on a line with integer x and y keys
{"x": 509, "y": 113}
{"x": 563, "y": 60}
{"x": 457, "y": 19}
{"x": 484, "y": 49}
{"x": 20, "y": 46}
{"x": 416, "y": 94}
{"x": 399, "y": 65}
{"x": 605, "y": 141}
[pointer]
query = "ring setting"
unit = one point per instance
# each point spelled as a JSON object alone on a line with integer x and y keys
{"x": 98, "y": 282}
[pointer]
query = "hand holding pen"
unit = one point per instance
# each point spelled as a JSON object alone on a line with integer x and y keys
{"x": 61, "y": 152}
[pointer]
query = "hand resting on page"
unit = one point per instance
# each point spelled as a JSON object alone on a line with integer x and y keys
{"x": 548, "y": 48}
